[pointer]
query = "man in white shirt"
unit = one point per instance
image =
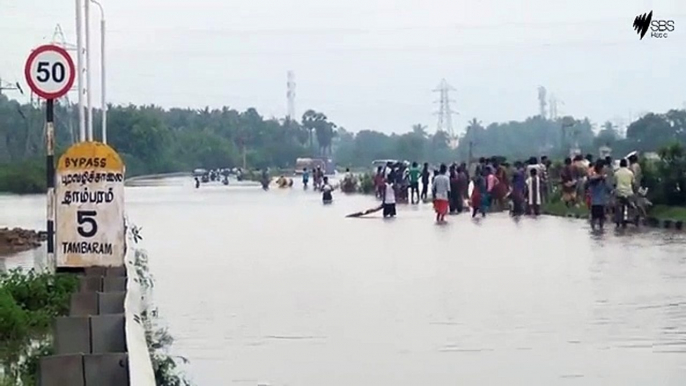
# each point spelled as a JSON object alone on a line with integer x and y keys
{"x": 441, "y": 193}
{"x": 388, "y": 197}
{"x": 624, "y": 180}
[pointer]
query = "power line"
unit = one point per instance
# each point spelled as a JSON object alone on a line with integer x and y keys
{"x": 348, "y": 30}
{"x": 446, "y": 50}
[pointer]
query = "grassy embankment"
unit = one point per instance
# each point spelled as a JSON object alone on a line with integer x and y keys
{"x": 660, "y": 212}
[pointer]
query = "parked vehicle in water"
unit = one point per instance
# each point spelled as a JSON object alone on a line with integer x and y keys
{"x": 383, "y": 162}
{"x": 199, "y": 172}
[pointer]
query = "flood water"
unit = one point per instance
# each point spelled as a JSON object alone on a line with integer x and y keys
{"x": 274, "y": 288}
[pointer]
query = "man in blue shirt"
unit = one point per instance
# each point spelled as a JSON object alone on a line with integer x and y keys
{"x": 306, "y": 177}
{"x": 599, "y": 193}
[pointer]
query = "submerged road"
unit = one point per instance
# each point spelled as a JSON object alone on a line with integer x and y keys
{"x": 275, "y": 288}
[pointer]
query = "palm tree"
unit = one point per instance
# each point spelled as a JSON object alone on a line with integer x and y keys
{"x": 473, "y": 125}
{"x": 419, "y": 129}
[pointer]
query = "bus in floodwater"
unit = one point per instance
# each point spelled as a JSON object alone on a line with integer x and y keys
{"x": 311, "y": 163}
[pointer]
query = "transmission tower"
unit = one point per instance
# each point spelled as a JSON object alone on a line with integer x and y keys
{"x": 58, "y": 39}
{"x": 445, "y": 113}
{"x": 553, "y": 107}
{"x": 290, "y": 94}
{"x": 542, "y": 101}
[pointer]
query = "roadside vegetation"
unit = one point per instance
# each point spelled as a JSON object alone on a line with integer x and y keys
{"x": 29, "y": 304}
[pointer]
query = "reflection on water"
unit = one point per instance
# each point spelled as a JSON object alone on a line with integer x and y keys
{"x": 275, "y": 288}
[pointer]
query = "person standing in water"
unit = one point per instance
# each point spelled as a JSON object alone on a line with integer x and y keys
{"x": 415, "y": 173}
{"x": 197, "y": 183}
{"x": 441, "y": 193}
{"x": 479, "y": 195}
{"x": 599, "y": 191}
{"x": 388, "y": 196}
{"x": 327, "y": 189}
{"x": 518, "y": 189}
{"x": 306, "y": 178}
{"x": 454, "y": 188}
{"x": 487, "y": 196}
{"x": 425, "y": 181}
{"x": 379, "y": 182}
{"x": 533, "y": 186}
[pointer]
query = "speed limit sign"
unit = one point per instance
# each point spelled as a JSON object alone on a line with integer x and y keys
{"x": 49, "y": 71}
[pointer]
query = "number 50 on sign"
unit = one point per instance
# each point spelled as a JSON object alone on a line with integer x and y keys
{"x": 49, "y": 71}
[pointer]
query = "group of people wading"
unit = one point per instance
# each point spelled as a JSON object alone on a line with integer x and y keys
{"x": 522, "y": 187}
{"x": 602, "y": 187}
{"x": 317, "y": 177}
{"x": 525, "y": 184}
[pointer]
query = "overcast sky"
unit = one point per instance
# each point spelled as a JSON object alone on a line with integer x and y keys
{"x": 372, "y": 64}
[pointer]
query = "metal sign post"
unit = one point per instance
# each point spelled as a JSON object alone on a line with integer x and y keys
{"x": 50, "y": 73}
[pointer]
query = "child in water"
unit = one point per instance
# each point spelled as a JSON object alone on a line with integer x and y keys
{"x": 326, "y": 191}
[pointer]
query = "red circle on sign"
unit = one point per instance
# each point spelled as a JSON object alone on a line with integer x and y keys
{"x": 70, "y": 64}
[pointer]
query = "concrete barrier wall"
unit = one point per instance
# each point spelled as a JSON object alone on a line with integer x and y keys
{"x": 140, "y": 366}
{"x": 158, "y": 176}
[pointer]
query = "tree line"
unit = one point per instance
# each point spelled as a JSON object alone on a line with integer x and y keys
{"x": 156, "y": 140}
{"x": 534, "y": 136}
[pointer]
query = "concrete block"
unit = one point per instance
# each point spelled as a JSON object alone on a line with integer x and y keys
{"x": 113, "y": 284}
{"x": 95, "y": 271}
{"x": 83, "y": 304}
{"x": 108, "y": 334}
{"x": 111, "y": 303}
{"x": 72, "y": 335}
{"x": 90, "y": 284}
{"x": 106, "y": 369}
{"x": 116, "y": 271}
{"x": 61, "y": 370}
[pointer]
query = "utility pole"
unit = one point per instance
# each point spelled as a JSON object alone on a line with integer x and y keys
{"x": 290, "y": 94}
{"x": 89, "y": 94}
{"x": 471, "y": 152}
{"x": 79, "y": 67}
{"x": 445, "y": 113}
{"x": 103, "y": 83}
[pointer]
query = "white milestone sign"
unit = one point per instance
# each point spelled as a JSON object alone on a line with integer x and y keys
{"x": 49, "y": 71}
{"x": 90, "y": 227}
